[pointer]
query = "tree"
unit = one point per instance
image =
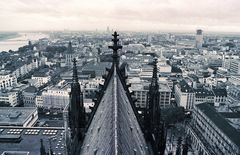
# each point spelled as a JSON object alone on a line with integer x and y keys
{"x": 173, "y": 115}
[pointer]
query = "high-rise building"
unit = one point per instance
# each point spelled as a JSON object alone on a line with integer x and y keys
{"x": 199, "y": 39}
{"x": 108, "y": 29}
{"x": 235, "y": 66}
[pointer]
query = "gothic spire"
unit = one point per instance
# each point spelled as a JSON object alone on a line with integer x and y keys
{"x": 154, "y": 82}
{"x": 152, "y": 112}
{"x": 42, "y": 148}
{"x": 75, "y": 75}
{"x": 115, "y": 47}
{"x": 154, "y": 125}
{"x": 76, "y": 113}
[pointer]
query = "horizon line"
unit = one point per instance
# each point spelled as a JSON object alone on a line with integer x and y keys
{"x": 134, "y": 31}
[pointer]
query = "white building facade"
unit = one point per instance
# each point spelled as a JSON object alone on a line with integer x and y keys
{"x": 184, "y": 95}
{"x": 7, "y": 80}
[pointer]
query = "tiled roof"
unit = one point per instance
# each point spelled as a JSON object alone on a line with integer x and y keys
{"x": 114, "y": 128}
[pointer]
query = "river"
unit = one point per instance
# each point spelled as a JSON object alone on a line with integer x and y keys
{"x": 20, "y": 40}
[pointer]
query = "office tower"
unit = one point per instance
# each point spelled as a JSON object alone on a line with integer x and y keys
{"x": 199, "y": 39}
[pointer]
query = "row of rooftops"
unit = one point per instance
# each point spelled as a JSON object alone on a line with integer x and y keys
{"x": 16, "y": 62}
{"x": 41, "y": 73}
{"x": 202, "y": 92}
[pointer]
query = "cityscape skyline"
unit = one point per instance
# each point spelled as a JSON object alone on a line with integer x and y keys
{"x": 180, "y": 16}
{"x": 163, "y": 93}
{"x": 136, "y": 77}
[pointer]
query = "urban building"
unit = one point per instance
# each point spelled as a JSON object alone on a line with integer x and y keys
{"x": 29, "y": 95}
{"x": 163, "y": 67}
{"x": 39, "y": 100}
{"x": 41, "y": 78}
{"x": 55, "y": 97}
{"x": 18, "y": 116}
{"x": 233, "y": 90}
{"x": 145, "y": 72}
{"x": 235, "y": 66}
{"x": 199, "y": 38}
{"x": 7, "y": 80}
{"x": 140, "y": 93}
{"x": 165, "y": 95}
{"x": 203, "y": 95}
{"x": 184, "y": 95}
{"x": 211, "y": 133}
{"x": 234, "y": 80}
{"x": 140, "y": 89}
{"x": 220, "y": 96}
{"x": 31, "y": 140}
{"x": 95, "y": 69}
{"x": 9, "y": 97}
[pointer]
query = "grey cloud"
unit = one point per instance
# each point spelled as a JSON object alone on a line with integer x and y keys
{"x": 151, "y": 14}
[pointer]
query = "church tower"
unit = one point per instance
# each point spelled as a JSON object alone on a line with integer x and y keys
{"x": 69, "y": 55}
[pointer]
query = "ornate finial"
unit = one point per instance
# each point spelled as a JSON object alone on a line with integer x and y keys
{"x": 115, "y": 47}
{"x": 75, "y": 75}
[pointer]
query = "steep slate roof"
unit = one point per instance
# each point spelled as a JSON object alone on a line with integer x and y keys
{"x": 114, "y": 129}
{"x": 220, "y": 92}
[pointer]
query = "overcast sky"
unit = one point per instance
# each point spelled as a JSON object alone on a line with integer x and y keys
{"x": 138, "y": 15}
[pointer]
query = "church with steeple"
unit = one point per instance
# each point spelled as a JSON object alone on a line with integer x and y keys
{"x": 69, "y": 55}
{"x": 114, "y": 125}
